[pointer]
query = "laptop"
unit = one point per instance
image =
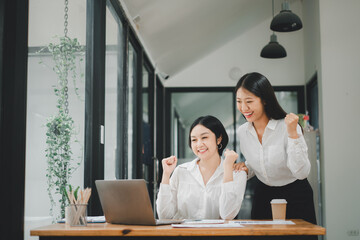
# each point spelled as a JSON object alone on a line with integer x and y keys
{"x": 128, "y": 202}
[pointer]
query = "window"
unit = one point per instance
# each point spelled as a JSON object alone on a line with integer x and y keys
{"x": 189, "y": 104}
{"x": 42, "y": 103}
{"x": 113, "y": 100}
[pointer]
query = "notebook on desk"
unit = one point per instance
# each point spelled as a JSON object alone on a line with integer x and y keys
{"x": 127, "y": 202}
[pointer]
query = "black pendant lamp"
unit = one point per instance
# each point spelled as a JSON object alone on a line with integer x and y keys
{"x": 285, "y": 21}
{"x": 273, "y": 49}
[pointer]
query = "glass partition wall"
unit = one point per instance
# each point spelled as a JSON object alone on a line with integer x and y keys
{"x": 127, "y": 132}
{"x": 128, "y": 141}
{"x": 188, "y": 106}
{"x": 113, "y": 89}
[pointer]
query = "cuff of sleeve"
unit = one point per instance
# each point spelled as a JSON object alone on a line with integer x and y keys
{"x": 250, "y": 173}
{"x": 165, "y": 189}
{"x": 233, "y": 185}
{"x": 229, "y": 186}
{"x": 297, "y": 141}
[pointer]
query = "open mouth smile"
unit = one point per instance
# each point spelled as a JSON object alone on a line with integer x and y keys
{"x": 202, "y": 151}
{"x": 248, "y": 115}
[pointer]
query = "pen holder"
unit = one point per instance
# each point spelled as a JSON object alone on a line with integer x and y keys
{"x": 75, "y": 215}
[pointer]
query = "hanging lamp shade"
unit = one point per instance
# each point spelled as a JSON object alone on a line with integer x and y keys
{"x": 273, "y": 49}
{"x": 285, "y": 21}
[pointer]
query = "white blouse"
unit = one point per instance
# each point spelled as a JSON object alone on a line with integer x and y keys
{"x": 279, "y": 160}
{"x": 187, "y": 197}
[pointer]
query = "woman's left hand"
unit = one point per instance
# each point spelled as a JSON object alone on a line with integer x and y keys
{"x": 240, "y": 166}
{"x": 291, "y": 121}
{"x": 230, "y": 157}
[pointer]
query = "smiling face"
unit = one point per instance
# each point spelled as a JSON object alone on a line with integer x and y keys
{"x": 250, "y": 105}
{"x": 204, "y": 142}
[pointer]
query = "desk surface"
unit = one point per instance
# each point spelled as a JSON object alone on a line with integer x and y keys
{"x": 300, "y": 227}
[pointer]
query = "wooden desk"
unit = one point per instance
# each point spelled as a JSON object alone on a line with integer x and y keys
{"x": 113, "y": 231}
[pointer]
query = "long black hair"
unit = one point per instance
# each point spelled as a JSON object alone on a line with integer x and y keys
{"x": 260, "y": 86}
{"x": 215, "y": 126}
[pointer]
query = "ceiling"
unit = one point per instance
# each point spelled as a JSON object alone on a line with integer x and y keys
{"x": 178, "y": 33}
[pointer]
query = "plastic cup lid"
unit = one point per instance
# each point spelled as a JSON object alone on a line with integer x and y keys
{"x": 278, "y": 201}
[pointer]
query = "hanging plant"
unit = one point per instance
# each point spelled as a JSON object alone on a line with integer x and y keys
{"x": 60, "y": 127}
{"x": 61, "y": 132}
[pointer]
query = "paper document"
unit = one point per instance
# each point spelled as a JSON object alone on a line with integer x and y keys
{"x": 96, "y": 219}
{"x": 264, "y": 222}
{"x": 220, "y": 225}
{"x": 204, "y": 221}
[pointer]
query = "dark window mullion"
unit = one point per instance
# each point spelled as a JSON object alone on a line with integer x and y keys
{"x": 150, "y": 105}
{"x": 138, "y": 116}
{"x": 13, "y": 97}
{"x": 94, "y": 99}
{"x": 137, "y": 108}
{"x": 160, "y": 129}
{"x": 125, "y": 94}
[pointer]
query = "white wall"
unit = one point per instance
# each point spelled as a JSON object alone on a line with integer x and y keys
{"x": 46, "y": 20}
{"x": 332, "y": 48}
{"x": 244, "y": 53}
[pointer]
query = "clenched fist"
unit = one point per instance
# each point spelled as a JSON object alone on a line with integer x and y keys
{"x": 291, "y": 121}
{"x": 230, "y": 157}
{"x": 169, "y": 164}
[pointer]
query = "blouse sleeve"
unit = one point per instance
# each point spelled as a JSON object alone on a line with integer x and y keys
{"x": 251, "y": 173}
{"x": 298, "y": 160}
{"x": 232, "y": 195}
{"x": 166, "y": 203}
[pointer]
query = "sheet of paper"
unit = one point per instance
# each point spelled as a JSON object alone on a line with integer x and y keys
{"x": 203, "y": 221}
{"x": 96, "y": 219}
{"x": 220, "y": 225}
{"x": 265, "y": 222}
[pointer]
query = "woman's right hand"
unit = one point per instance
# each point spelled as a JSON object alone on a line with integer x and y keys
{"x": 169, "y": 165}
{"x": 240, "y": 166}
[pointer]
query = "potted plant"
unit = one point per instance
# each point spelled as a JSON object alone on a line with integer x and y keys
{"x": 60, "y": 127}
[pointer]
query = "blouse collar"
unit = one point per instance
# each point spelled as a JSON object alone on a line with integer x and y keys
{"x": 193, "y": 168}
{"x": 271, "y": 125}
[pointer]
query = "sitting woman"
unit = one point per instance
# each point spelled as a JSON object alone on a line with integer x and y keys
{"x": 207, "y": 187}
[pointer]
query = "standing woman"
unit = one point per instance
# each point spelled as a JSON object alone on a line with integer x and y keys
{"x": 207, "y": 187}
{"x": 275, "y": 151}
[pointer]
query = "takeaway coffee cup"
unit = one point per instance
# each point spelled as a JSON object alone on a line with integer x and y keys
{"x": 278, "y": 208}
